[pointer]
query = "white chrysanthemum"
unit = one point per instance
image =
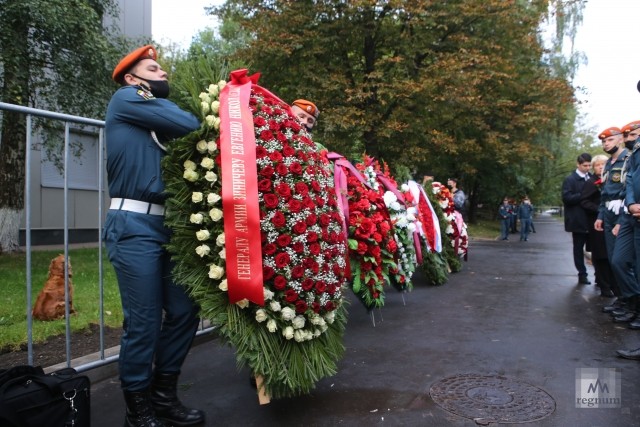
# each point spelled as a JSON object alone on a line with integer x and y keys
{"x": 395, "y": 206}
{"x": 389, "y": 198}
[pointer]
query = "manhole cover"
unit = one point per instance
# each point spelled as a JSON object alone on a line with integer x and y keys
{"x": 492, "y": 399}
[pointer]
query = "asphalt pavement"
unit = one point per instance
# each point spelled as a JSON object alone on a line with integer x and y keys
{"x": 514, "y": 314}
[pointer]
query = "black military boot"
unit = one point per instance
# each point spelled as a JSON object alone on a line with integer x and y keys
{"x": 139, "y": 410}
{"x": 164, "y": 397}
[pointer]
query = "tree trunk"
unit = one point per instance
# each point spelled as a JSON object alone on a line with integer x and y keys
{"x": 15, "y": 90}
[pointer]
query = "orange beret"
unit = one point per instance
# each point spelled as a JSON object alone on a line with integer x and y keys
{"x": 630, "y": 126}
{"x": 609, "y": 132}
{"x": 307, "y": 106}
{"x": 125, "y": 64}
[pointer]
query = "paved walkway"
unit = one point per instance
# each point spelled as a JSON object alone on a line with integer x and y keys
{"x": 514, "y": 311}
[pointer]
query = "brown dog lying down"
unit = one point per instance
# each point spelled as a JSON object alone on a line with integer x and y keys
{"x": 50, "y": 302}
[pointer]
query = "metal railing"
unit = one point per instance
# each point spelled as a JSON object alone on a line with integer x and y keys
{"x": 67, "y": 120}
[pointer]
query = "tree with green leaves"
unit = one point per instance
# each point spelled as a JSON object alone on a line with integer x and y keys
{"x": 54, "y": 55}
{"x": 457, "y": 88}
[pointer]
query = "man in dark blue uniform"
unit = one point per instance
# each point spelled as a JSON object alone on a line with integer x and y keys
{"x": 611, "y": 209}
{"x": 575, "y": 218}
{"x": 160, "y": 319}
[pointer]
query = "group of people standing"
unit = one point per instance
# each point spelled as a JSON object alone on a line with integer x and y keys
{"x": 602, "y": 212}
{"x": 509, "y": 213}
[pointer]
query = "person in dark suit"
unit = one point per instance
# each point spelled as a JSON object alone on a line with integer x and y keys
{"x": 605, "y": 279}
{"x": 575, "y": 217}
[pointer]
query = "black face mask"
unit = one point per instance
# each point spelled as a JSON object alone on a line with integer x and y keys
{"x": 611, "y": 150}
{"x": 159, "y": 88}
{"x": 630, "y": 144}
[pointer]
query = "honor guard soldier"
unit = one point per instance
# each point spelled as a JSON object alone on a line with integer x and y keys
{"x": 160, "y": 319}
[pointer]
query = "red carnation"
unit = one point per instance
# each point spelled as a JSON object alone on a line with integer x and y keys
{"x": 269, "y": 249}
{"x": 290, "y": 295}
{"x": 280, "y": 283}
{"x": 278, "y": 219}
{"x": 301, "y": 306}
{"x": 362, "y": 248}
{"x": 275, "y": 156}
{"x": 297, "y": 272}
{"x": 264, "y": 185}
{"x": 271, "y": 200}
{"x": 282, "y": 169}
{"x": 283, "y": 240}
{"x": 284, "y": 190}
{"x": 282, "y": 259}
{"x": 267, "y": 171}
{"x": 294, "y": 205}
{"x": 267, "y": 272}
{"x": 300, "y": 227}
{"x": 288, "y": 150}
{"x": 296, "y": 169}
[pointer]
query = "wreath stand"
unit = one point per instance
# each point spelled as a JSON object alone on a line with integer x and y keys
{"x": 263, "y": 397}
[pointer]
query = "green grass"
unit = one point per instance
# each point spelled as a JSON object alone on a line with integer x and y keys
{"x": 484, "y": 229}
{"x": 86, "y": 298}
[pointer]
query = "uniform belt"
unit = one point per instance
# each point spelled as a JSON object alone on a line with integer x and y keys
{"x": 138, "y": 206}
{"x": 608, "y": 202}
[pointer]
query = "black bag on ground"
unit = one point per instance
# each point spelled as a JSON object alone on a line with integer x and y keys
{"x": 29, "y": 398}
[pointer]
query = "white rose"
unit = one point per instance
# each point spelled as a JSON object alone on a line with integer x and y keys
{"x": 215, "y": 214}
{"x": 211, "y": 176}
{"x": 298, "y": 322}
{"x": 261, "y": 315}
{"x": 190, "y": 175}
{"x": 330, "y": 317}
{"x": 203, "y": 250}
{"x": 216, "y": 123}
{"x": 210, "y": 120}
{"x": 274, "y": 306}
{"x": 204, "y": 97}
{"x": 317, "y": 333}
{"x": 188, "y": 164}
{"x": 202, "y": 235}
{"x": 223, "y": 286}
{"x": 267, "y": 294}
{"x": 196, "y": 197}
{"x": 220, "y": 239}
{"x": 243, "y": 303}
{"x": 207, "y": 163}
{"x": 204, "y": 106}
{"x": 196, "y": 218}
{"x": 299, "y": 335}
{"x": 212, "y": 146}
{"x": 215, "y": 271}
{"x": 223, "y": 254}
{"x": 449, "y": 230}
{"x": 288, "y": 332}
{"x": 213, "y": 198}
{"x": 272, "y": 326}
{"x": 222, "y": 84}
{"x": 214, "y": 89}
{"x": 288, "y": 313}
{"x": 404, "y": 187}
{"x": 215, "y": 107}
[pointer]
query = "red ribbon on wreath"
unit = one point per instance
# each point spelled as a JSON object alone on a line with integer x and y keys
{"x": 240, "y": 191}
